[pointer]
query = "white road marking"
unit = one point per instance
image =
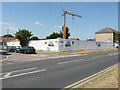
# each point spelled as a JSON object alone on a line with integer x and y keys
{"x": 70, "y": 61}
{"x": 18, "y": 70}
{"x": 113, "y": 54}
{"x": 23, "y": 74}
{"x": 7, "y": 74}
{"x": 110, "y": 54}
{"x": 23, "y": 70}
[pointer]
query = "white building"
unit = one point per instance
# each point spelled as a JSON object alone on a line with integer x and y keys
{"x": 13, "y": 43}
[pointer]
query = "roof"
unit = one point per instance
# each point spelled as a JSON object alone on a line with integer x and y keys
{"x": 7, "y": 39}
{"x": 107, "y": 30}
{"x": 16, "y": 40}
{"x": 73, "y": 38}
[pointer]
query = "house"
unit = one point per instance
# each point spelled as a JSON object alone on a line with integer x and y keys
{"x": 108, "y": 35}
{"x": 6, "y": 39}
{"x": 15, "y": 42}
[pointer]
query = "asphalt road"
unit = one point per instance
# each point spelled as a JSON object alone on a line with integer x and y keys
{"x": 55, "y": 73}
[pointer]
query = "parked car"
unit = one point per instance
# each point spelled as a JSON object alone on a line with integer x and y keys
{"x": 11, "y": 49}
{"x": 8, "y": 48}
{"x": 18, "y": 49}
{"x": 27, "y": 49}
{"x": 2, "y": 47}
{"x": 117, "y": 45}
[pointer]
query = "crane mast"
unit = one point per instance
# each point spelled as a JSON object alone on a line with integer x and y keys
{"x": 65, "y": 12}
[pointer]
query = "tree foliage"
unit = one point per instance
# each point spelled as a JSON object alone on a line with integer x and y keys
{"x": 8, "y": 35}
{"x": 55, "y": 35}
{"x": 34, "y": 38}
{"x": 23, "y": 36}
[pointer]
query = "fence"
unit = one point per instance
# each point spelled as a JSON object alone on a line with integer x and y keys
{"x": 65, "y": 45}
{"x": 45, "y": 45}
{"x": 68, "y": 45}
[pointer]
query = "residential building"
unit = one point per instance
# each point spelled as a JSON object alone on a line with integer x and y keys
{"x": 15, "y": 42}
{"x": 6, "y": 39}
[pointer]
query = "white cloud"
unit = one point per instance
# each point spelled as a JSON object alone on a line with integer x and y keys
{"x": 6, "y": 23}
{"x": 36, "y": 22}
{"x": 39, "y": 23}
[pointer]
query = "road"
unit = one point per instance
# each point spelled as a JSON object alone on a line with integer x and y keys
{"x": 57, "y": 72}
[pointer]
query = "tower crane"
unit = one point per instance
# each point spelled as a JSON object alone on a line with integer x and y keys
{"x": 65, "y": 12}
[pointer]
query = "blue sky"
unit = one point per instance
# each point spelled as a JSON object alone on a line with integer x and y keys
{"x": 43, "y": 18}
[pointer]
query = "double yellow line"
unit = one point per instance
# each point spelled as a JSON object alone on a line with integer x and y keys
{"x": 83, "y": 81}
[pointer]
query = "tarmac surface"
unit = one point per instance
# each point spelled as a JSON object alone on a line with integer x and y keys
{"x": 57, "y": 72}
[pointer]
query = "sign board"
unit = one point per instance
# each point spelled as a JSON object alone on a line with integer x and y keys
{"x": 67, "y": 43}
{"x": 108, "y": 40}
{"x": 51, "y": 43}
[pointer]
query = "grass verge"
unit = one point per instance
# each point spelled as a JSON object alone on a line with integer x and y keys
{"x": 108, "y": 80}
{"x": 80, "y": 51}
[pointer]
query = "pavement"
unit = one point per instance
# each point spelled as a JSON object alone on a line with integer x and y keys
{"x": 57, "y": 72}
{"x": 19, "y": 57}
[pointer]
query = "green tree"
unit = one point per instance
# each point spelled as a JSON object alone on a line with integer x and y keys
{"x": 8, "y": 35}
{"x": 23, "y": 36}
{"x": 34, "y": 38}
{"x": 55, "y": 35}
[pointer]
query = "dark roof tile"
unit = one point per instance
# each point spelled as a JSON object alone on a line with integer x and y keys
{"x": 107, "y": 30}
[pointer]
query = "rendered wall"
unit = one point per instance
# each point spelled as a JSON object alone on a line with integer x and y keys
{"x": 103, "y": 36}
{"x": 13, "y": 43}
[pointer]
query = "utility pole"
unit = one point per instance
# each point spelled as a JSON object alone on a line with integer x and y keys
{"x": 65, "y": 12}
